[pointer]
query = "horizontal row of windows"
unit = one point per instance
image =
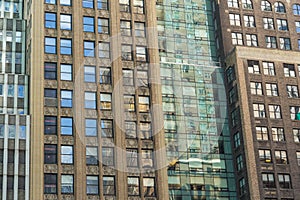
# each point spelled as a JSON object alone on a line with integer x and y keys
{"x": 91, "y": 127}
{"x": 259, "y": 111}
{"x": 134, "y": 158}
{"x": 92, "y": 185}
{"x": 265, "y": 5}
{"x": 271, "y": 89}
{"x": 278, "y": 135}
{"x": 270, "y": 41}
{"x": 89, "y": 25}
{"x": 89, "y": 49}
{"x": 125, "y": 5}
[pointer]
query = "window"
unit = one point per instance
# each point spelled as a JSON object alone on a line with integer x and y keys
{"x": 67, "y": 183}
{"x": 129, "y": 103}
{"x": 259, "y": 110}
{"x": 89, "y": 49}
{"x": 50, "y": 71}
{"x": 230, "y": 74}
{"x": 102, "y": 4}
{"x": 274, "y": 111}
{"x": 281, "y": 157}
{"x": 50, "y": 183}
{"x": 92, "y": 185}
{"x": 66, "y": 72}
{"x": 253, "y": 67}
{"x": 266, "y": 6}
{"x": 298, "y": 44}
{"x": 90, "y": 74}
{"x": 50, "y": 93}
{"x": 130, "y": 129}
{"x": 271, "y": 89}
{"x": 292, "y": 91}
{"x": 296, "y": 133}
{"x": 289, "y": 70}
{"x": 234, "y": 19}
{"x": 233, "y": 3}
{"x": 265, "y": 155}
{"x": 104, "y": 50}
{"x": 108, "y": 185}
{"x": 145, "y": 130}
{"x": 278, "y": 134}
{"x": 66, "y": 98}
{"x": 66, "y": 46}
{"x": 142, "y": 78}
{"x": 237, "y": 140}
{"x": 138, "y": 6}
{"x": 127, "y": 77}
{"x": 133, "y": 186}
{"x": 297, "y": 24}
{"x": 247, "y": 4}
{"x": 124, "y": 5}
{"x": 50, "y": 1}
{"x": 251, "y": 40}
{"x": 147, "y": 158}
{"x": 282, "y": 25}
{"x": 50, "y": 45}
{"x": 132, "y": 157}
{"x": 65, "y": 2}
{"x": 108, "y": 156}
{"x": 284, "y": 181}
{"x": 235, "y": 117}
{"x": 65, "y": 22}
{"x": 271, "y": 42}
{"x": 249, "y": 21}
{"x": 144, "y": 104}
{"x": 262, "y": 133}
{"x": 105, "y": 75}
{"x": 88, "y": 24}
{"x": 295, "y": 112}
{"x": 256, "y": 88}
{"x": 66, "y": 153}
{"x": 269, "y": 68}
{"x": 50, "y": 125}
{"x": 91, "y": 154}
{"x": 90, "y": 127}
{"x": 141, "y": 54}
{"x": 139, "y": 29}
{"x": 88, "y": 3}
{"x": 105, "y": 101}
{"x": 126, "y": 52}
{"x": 90, "y": 100}
{"x": 66, "y": 126}
{"x": 279, "y": 7}
{"x": 50, "y": 20}
{"x": 237, "y": 38}
{"x": 239, "y": 162}
{"x": 296, "y": 9}
{"x": 268, "y": 180}
{"x": 149, "y": 187}
{"x": 268, "y": 23}
{"x": 50, "y": 154}
{"x": 103, "y": 25}
{"x": 298, "y": 157}
{"x": 285, "y": 43}
{"x": 125, "y": 28}
{"x": 242, "y": 186}
{"x": 107, "y": 128}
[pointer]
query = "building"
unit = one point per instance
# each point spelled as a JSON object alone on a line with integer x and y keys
{"x": 14, "y": 113}
{"x": 260, "y": 43}
{"x": 104, "y": 121}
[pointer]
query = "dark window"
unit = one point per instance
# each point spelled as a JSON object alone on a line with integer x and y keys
{"x": 268, "y": 180}
{"x": 108, "y": 185}
{"x": 285, "y": 181}
{"x": 50, "y": 183}
{"x": 50, "y": 125}
{"x": 149, "y": 187}
{"x": 50, "y": 71}
{"x": 50, "y": 154}
{"x": 50, "y": 93}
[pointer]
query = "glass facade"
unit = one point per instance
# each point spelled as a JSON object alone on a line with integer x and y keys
{"x": 194, "y": 103}
{"x": 14, "y": 118}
